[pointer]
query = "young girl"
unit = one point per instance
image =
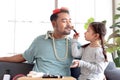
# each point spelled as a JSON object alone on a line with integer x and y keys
{"x": 93, "y": 56}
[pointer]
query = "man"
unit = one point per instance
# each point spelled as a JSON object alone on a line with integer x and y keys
{"x": 51, "y": 53}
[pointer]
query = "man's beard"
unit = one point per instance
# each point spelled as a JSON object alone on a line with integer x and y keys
{"x": 66, "y": 33}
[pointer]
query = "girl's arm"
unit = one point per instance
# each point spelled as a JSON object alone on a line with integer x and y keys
{"x": 76, "y": 52}
{"x": 98, "y": 65}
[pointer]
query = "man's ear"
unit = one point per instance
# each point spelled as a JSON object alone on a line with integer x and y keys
{"x": 53, "y": 23}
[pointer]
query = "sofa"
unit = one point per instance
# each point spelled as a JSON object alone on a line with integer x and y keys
{"x": 112, "y": 72}
{"x": 16, "y": 69}
{"x": 22, "y": 69}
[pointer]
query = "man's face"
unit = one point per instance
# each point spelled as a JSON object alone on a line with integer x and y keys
{"x": 63, "y": 24}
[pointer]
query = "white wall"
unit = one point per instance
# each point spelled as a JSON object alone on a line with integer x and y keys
{"x": 23, "y": 20}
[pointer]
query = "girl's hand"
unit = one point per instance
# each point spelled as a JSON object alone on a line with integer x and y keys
{"x": 75, "y": 36}
{"x": 75, "y": 64}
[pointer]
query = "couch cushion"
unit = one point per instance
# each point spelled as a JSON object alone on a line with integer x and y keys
{"x": 111, "y": 72}
{"x": 110, "y": 66}
{"x": 15, "y": 68}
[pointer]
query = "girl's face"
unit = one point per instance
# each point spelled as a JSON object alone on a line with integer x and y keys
{"x": 90, "y": 35}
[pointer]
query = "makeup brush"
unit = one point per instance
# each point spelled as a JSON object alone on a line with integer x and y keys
{"x": 74, "y": 30}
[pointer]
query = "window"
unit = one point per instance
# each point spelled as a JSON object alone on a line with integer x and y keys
{"x": 24, "y": 20}
{"x": 82, "y": 10}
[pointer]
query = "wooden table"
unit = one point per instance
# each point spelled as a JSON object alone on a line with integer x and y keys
{"x": 29, "y": 78}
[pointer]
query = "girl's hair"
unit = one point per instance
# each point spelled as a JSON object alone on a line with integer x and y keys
{"x": 99, "y": 27}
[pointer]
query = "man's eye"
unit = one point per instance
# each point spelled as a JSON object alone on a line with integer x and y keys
{"x": 64, "y": 20}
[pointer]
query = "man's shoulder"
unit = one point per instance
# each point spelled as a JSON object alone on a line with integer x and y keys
{"x": 40, "y": 37}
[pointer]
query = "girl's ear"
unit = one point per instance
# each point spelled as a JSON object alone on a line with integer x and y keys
{"x": 97, "y": 36}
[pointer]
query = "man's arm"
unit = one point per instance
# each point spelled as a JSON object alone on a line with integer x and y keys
{"x": 15, "y": 58}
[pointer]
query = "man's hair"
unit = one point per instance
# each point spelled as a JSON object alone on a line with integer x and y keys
{"x": 54, "y": 16}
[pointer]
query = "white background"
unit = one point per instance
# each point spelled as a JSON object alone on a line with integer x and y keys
{"x": 23, "y": 20}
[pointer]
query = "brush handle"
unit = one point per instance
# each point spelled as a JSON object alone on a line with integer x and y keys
{"x": 75, "y": 31}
